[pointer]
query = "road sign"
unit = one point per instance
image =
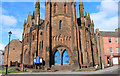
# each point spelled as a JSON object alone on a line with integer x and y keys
{"x": 34, "y": 60}
{"x": 37, "y": 59}
{"x": 41, "y": 60}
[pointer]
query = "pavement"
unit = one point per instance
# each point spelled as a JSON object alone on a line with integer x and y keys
{"x": 111, "y": 71}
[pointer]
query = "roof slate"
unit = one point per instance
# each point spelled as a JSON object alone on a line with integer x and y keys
{"x": 115, "y": 34}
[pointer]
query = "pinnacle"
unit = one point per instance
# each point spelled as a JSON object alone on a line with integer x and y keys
{"x": 37, "y": 0}
{"x": 80, "y": 0}
{"x": 92, "y": 23}
{"x": 88, "y": 14}
{"x": 37, "y": 5}
{"x": 81, "y": 3}
{"x": 33, "y": 14}
{"x": 85, "y": 13}
{"x": 25, "y": 21}
{"x": 29, "y": 13}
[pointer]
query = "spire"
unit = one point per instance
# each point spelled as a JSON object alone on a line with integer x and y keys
{"x": 33, "y": 17}
{"x": 88, "y": 14}
{"x": 81, "y": 3}
{"x": 88, "y": 19}
{"x": 24, "y": 22}
{"x": 37, "y": 0}
{"x": 92, "y": 27}
{"x": 37, "y": 5}
{"x": 29, "y": 13}
{"x": 29, "y": 17}
{"x": 92, "y": 23}
{"x": 81, "y": 7}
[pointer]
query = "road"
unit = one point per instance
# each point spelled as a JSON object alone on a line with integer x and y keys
{"x": 111, "y": 71}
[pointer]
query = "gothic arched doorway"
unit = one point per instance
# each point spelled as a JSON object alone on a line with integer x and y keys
{"x": 57, "y": 58}
{"x": 65, "y": 57}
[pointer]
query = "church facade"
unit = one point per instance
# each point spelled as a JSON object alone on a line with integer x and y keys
{"x": 62, "y": 40}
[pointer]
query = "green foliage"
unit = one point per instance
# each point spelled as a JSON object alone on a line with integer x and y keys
{"x": 11, "y": 70}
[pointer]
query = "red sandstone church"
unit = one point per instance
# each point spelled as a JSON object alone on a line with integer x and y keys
{"x": 62, "y": 40}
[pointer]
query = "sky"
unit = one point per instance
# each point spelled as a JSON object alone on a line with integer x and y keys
{"x": 104, "y": 13}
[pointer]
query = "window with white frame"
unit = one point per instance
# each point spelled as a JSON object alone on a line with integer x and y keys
{"x": 117, "y": 50}
{"x": 116, "y": 40}
{"x": 111, "y": 50}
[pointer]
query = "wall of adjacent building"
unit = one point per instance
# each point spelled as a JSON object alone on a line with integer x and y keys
{"x": 14, "y": 55}
{"x": 107, "y": 46}
{"x": 1, "y": 58}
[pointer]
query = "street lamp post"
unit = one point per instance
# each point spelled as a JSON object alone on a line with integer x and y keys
{"x": 100, "y": 51}
{"x": 8, "y": 51}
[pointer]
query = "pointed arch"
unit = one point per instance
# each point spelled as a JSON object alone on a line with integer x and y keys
{"x": 65, "y": 8}
{"x": 60, "y": 24}
{"x": 57, "y": 58}
{"x": 55, "y": 7}
{"x": 65, "y": 57}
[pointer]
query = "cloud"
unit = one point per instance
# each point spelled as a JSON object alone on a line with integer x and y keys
{"x": 107, "y": 17}
{"x": 8, "y": 20}
{"x": 2, "y": 10}
{"x": 109, "y": 6}
{"x": 2, "y": 46}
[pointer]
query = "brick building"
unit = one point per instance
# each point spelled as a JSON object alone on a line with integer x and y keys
{"x": 62, "y": 40}
{"x": 109, "y": 46}
{"x": 14, "y": 56}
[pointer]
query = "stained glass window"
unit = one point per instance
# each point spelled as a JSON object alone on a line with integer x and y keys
{"x": 65, "y": 57}
{"x": 57, "y": 58}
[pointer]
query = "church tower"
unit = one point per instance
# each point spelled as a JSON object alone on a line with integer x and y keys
{"x": 62, "y": 40}
{"x": 61, "y": 34}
